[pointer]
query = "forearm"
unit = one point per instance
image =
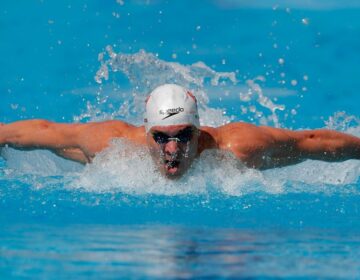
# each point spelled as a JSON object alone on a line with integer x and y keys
{"x": 328, "y": 145}
{"x": 32, "y": 134}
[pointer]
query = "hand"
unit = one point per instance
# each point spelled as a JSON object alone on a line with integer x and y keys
{"x": 1, "y": 124}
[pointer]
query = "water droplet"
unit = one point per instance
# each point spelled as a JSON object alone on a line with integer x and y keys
{"x": 294, "y": 82}
{"x": 305, "y": 21}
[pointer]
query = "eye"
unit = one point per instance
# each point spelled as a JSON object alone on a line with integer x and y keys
{"x": 185, "y": 135}
{"x": 160, "y": 138}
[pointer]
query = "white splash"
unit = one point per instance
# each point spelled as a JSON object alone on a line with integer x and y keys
{"x": 146, "y": 71}
{"x": 128, "y": 168}
{"x": 41, "y": 162}
{"x": 344, "y": 122}
{"x": 256, "y": 91}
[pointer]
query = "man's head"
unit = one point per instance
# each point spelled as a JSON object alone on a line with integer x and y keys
{"x": 172, "y": 128}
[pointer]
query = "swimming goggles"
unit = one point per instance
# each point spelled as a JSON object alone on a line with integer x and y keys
{"x": 183, "y": 136}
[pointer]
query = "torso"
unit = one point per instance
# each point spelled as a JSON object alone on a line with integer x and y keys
{"x": 242, "y": 139}
{"x": 224, "y": 137}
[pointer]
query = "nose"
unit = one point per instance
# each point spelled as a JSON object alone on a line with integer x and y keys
{"x": 171, "y": 147}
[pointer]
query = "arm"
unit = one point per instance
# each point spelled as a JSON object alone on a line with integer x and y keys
{"x": 285, "y": 147}
{"x": 74, "y": 154}
{"x": 79, "y": 142}
{"x": 266, "y": 147}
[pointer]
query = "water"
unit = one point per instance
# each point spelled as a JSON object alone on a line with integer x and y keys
{"x": 282, "y": 64}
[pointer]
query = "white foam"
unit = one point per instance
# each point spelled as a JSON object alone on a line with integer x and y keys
{"x": 126, "y": 168}
{"x": 40, "y": 162}
{"x": 146, "y": 71}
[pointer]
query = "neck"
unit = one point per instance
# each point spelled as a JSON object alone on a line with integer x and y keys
{"x": 207, "y": 139}
{"x": 136, "y": 134}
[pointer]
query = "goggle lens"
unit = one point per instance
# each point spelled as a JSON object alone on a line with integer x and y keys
{"x": 183, "y": 136}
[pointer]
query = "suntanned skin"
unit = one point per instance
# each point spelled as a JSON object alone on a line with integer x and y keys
{"x": 257, "y": 146}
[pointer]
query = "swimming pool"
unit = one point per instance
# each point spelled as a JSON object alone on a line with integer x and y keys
{"x": 282, "y": 64}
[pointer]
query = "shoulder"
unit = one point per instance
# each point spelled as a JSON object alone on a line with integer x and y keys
{"x": 226, "y": 130}
{"x": 243, "y": 139}
{"x": 112, "y": 125}
{"x": 241, "y": 133}
{"x": 95, "y": 136}
{"x": 116, "y": 128}
{"x": 236, "y": 127}
{"x": 107, "y": 129}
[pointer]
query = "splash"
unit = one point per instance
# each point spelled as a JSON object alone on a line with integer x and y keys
{"x": 344, "y": 122}
{"x": 145, "y": 71}
{"x": 128, "y": 169}
{"x": 264, "y": 101}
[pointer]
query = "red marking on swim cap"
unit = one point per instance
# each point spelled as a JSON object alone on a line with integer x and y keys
{"x": 147, "y": 99}
{"x": 192, "y": 96}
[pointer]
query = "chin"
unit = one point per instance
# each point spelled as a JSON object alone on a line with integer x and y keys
{"x": 173, "y": 173}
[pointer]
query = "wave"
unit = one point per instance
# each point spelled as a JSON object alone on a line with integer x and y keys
{"x": 128, "y": 169}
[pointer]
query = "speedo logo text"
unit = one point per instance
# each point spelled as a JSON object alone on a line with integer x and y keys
{"x": 171, "y": 112}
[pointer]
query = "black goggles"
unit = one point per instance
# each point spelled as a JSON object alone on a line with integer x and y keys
{"x": 183, "y": 136}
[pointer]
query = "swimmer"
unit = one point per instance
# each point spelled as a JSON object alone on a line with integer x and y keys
{"x": 174, "y": 137}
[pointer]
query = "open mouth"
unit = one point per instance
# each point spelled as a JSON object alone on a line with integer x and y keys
{"x": 172, "y": 166}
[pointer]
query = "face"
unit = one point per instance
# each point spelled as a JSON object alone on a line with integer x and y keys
{"x": 173, "y": 148}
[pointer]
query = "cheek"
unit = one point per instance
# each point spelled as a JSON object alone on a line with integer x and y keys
{"x": 189, "y": 150}
{"x": 156, "y": 151}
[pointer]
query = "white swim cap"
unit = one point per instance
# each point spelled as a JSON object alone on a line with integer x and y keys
{"x": 170, "y": 104}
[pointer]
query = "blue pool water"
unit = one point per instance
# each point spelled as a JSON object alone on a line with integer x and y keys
{"x": 281, "y": 63}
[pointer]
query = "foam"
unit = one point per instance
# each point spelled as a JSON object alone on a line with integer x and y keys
{"x": 128, "y": 169}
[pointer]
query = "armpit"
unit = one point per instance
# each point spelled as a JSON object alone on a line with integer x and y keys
{"x": 74, "y": 154}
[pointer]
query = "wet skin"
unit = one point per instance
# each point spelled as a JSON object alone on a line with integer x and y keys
{"x": 258, "y": 147}
{"x": 173, "y": 148}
